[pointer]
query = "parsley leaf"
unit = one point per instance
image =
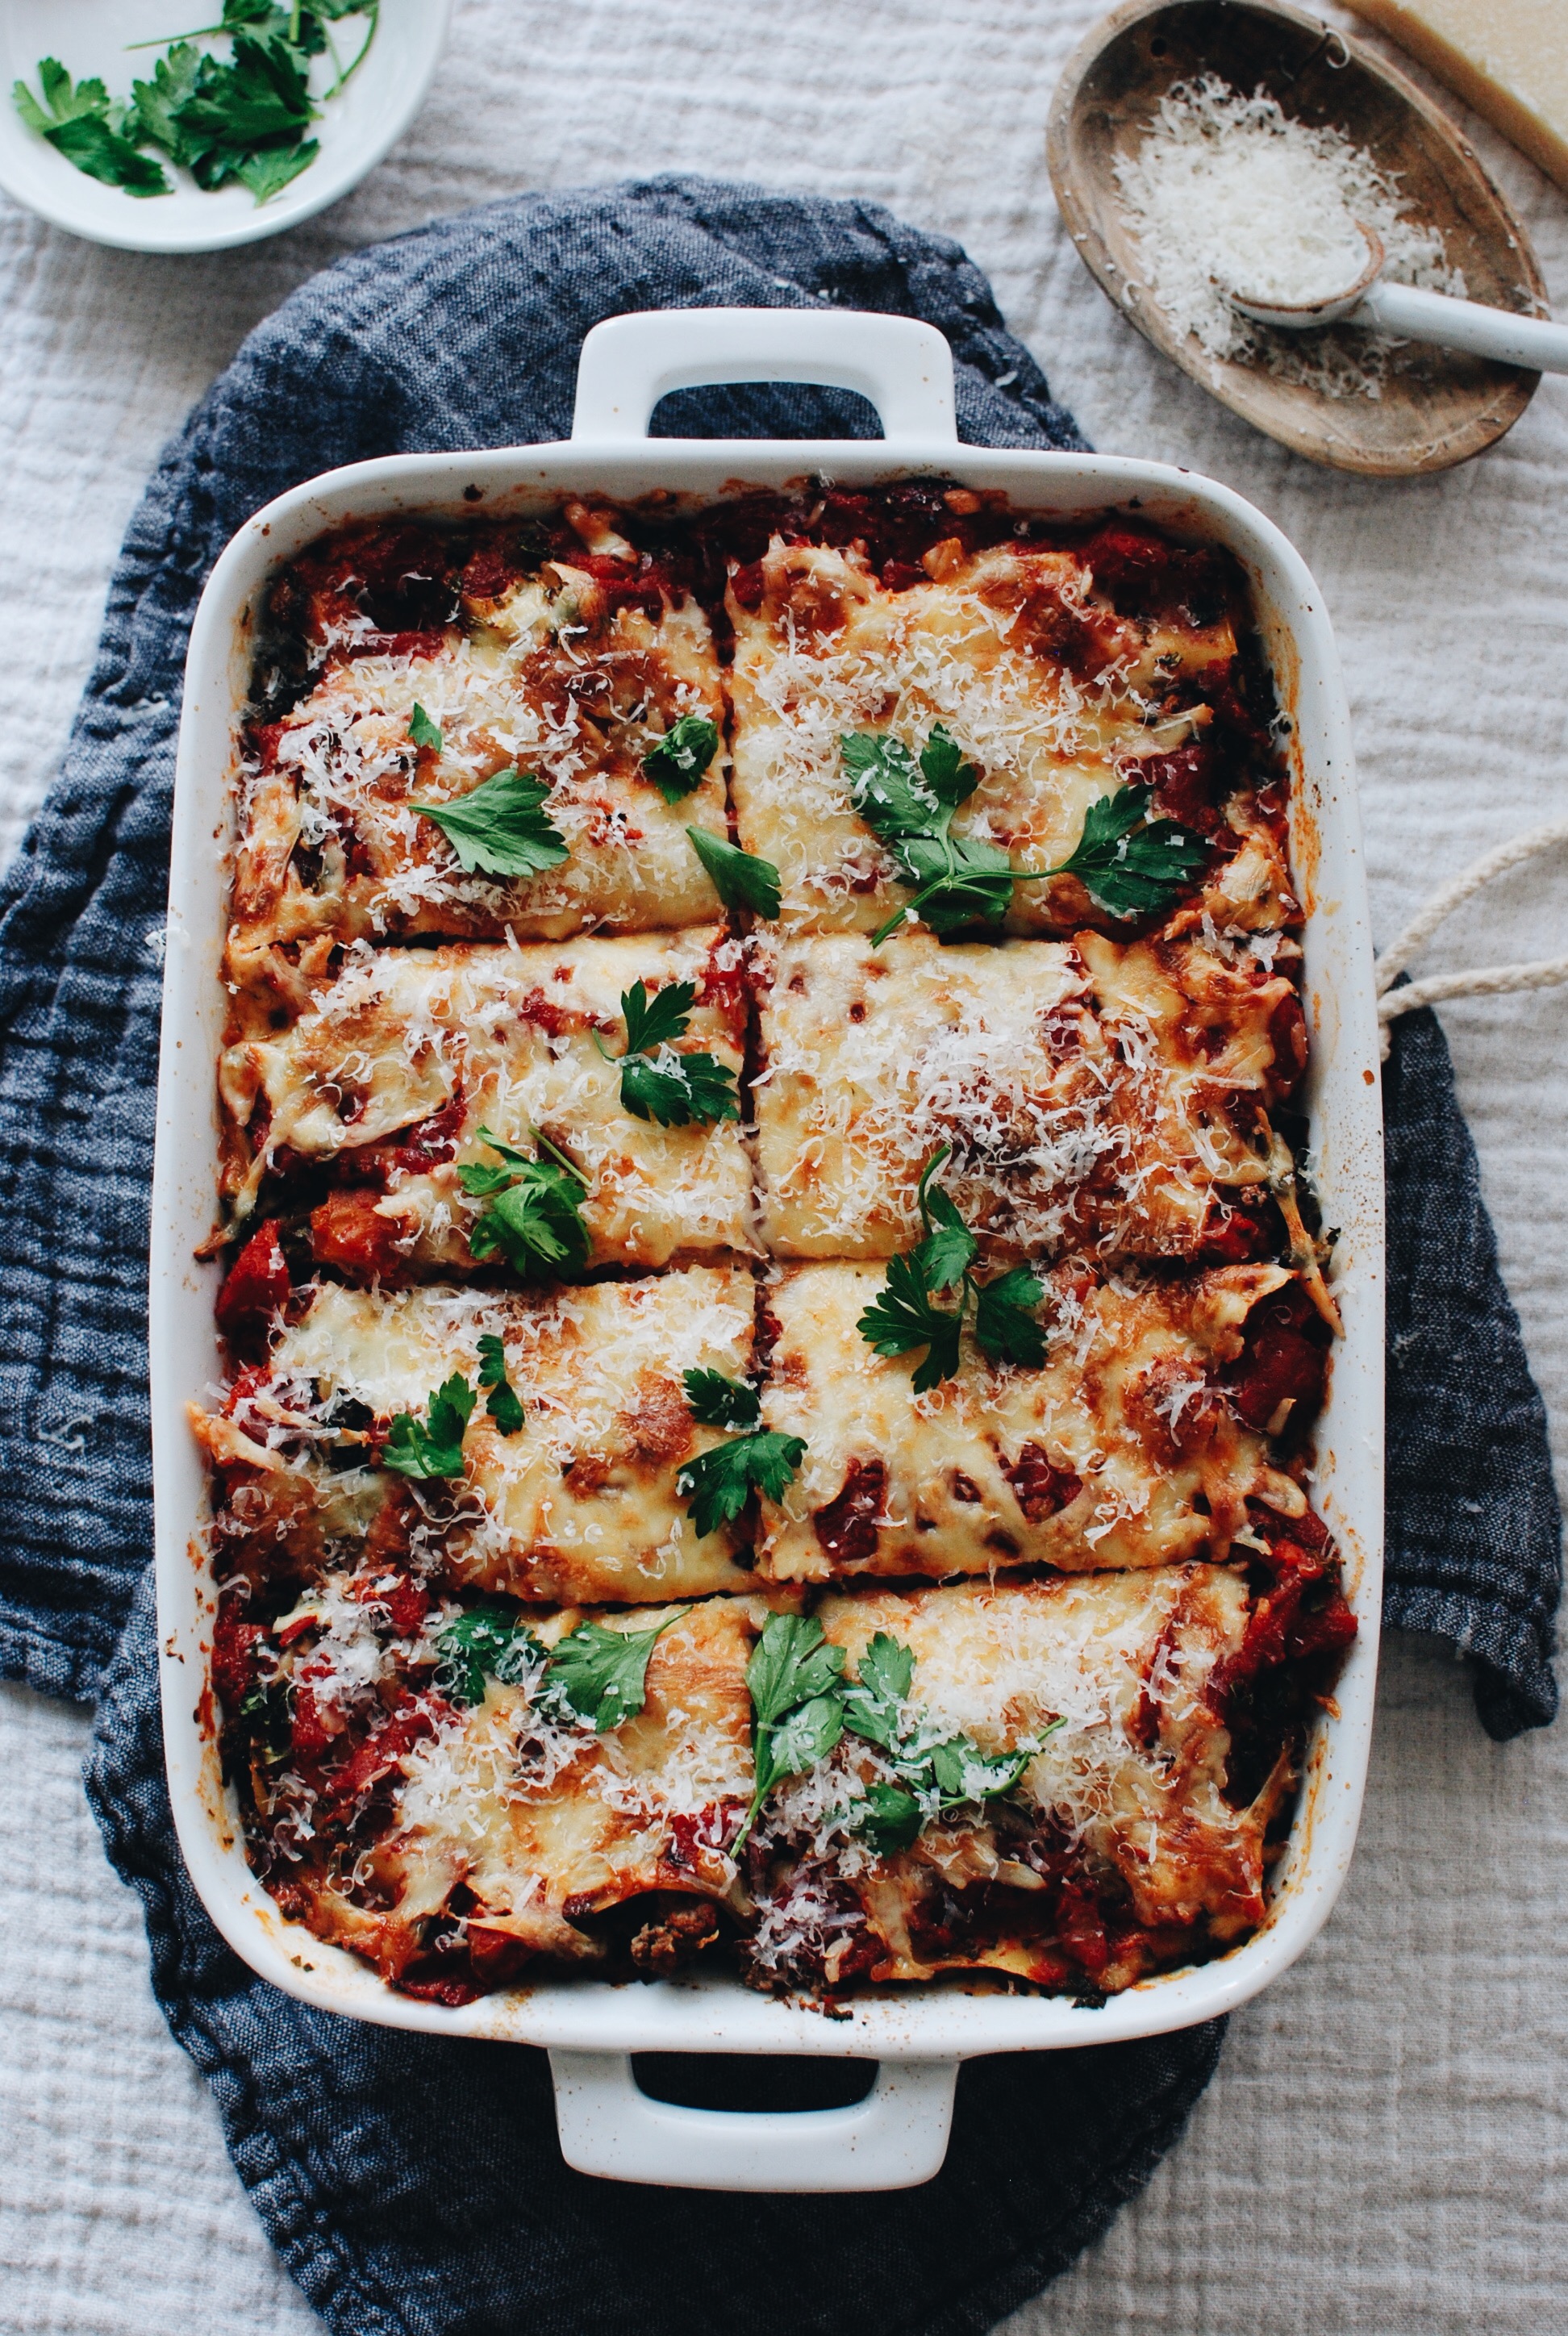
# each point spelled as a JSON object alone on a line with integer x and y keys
{"x": 891, "y": 1818}
{"x": 486, "y": 1639}
{"x": 268, "y": 172}
{"x": 934, "y": 1776}
{"x": 718, "y": 1402}
{"x": 654, "y": 1022}
{"x": 904, "y": 1317}
{"x": 77, "y": 125}
{"x": 964, "y": 1773}
{"x": 261, "y": 96}
{"x": 950, "y": 779}
{"x": 422, "y": 730}
{"x": 656, "y": 1083}
{"x": 1128, "y": 863}
{"x": 790, "y": 1663}
{"x": 873, "y": 1701}
{"x": 596, "y": 1674}
{"x": 535, "y": 1216}
{"x": 718, "y": 1483}
{"x": 157, "y": 101}
{"x": 959, "y": 881}
{"x": 503, "y": 1405}
{"x": 602, "y": 1675}
{"x": 949, "y": 1249}
{"x": 742, "y": 879}
{"x": 677, "y": 763}
{"x": 66, "y": 100}
{"x": 678, "y": 1089}
{"x": 499, "y": 829}
{"x": 1004, "y": 1325}
{"x": 885, "y": 786}
{"x": 797, "y": 1704}
{"x": 433, "y": 1449}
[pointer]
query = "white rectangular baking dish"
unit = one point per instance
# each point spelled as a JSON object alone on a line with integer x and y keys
{"x": 897, "y": 2136}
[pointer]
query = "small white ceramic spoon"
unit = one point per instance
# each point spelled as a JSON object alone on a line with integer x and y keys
{"x": 1413, "y": 316}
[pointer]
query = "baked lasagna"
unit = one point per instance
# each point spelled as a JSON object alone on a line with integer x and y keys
{"x": 774, "y": 1315}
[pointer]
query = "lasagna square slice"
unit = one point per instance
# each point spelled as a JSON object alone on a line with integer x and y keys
{"x": 578, "y": 1503}
{"x": 1141, "y": 1440}
{"x": 1088, "y": 1815}
{"x": 480, "y": 1826}
{"x": 407, "y": 1060}
{"x": 556, "y": 677}
{"x": 1055, "y": 697}
{"x": 1102, "y": 1097}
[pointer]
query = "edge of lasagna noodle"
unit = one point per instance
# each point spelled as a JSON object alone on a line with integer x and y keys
{"x": 603, "y": 1584}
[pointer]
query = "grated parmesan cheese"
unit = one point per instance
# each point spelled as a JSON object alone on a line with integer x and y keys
{"x": 1229, "y": 193}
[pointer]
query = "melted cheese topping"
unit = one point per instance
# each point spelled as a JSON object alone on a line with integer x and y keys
{"x": 330, "y": 839}
{"x": 580, "y": 1503}
{"x": 1109, "y": 1677}
{"x": 1119, "y": 1451}
{"x": 515, "y": 1035}
{"x": 548, "y": 1827}
{"x": 547, "y": 1837}
{"x": 1089, "y": 1095}
{"x": 1048, "y": 691}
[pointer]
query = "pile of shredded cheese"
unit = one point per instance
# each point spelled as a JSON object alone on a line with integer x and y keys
{"x": 1229, "y": 193}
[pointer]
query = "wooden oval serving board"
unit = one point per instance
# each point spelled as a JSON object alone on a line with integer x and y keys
{"x": 1437, "y": 407}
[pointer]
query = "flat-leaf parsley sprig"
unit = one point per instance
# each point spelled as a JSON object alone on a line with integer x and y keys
{"x": 503, "y": 1405}
{"x": 907, "y": 1316}
{"x": 534, "y": 1217}
{"x": 719, "y": 1483}
{"x": 676, "y": 761}
{"x": 802, "y": 1705}
{"x": 594, "y": 1674}
{"x": 1131, "y": 864}
{"x": 240, "y": 118}
{"x": 743, "y": 880}
{"x": 959, "y": 881}
{"x": 797, "y": 1705}
{"x": 80, "y": 121}
{"x": 931, "y": 1778}
{"x": 500, "y": 828}
{"x": 433, "y": 1446}
{"x": 656, "y": 1082}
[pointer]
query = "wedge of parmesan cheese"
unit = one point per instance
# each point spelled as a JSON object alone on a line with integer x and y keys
{"x": 1507, "y": 58}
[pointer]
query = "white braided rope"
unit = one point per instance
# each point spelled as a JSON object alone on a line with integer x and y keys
{"x": 1486, "y": 982}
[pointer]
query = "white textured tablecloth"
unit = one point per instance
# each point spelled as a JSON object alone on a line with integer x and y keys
{"x": 1384, "y": 2148}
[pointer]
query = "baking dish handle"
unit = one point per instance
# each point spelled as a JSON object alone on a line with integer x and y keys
{"x": 894, "y": 2138}
{"x": 629, "y": 363}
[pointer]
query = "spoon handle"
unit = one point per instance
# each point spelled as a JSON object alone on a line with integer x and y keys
{"x": 1493, "y": 333}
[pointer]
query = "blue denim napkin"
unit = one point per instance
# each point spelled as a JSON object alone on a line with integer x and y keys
{"x": 413, "y": 2186}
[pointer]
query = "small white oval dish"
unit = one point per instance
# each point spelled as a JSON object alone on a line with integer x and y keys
{"x": 94, "y": 37}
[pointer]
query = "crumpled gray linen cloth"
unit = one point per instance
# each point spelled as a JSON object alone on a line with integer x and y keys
{"x": 409, "y": 2183}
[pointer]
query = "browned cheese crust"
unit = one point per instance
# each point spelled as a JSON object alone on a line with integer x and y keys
{"x": 1118, "y": 1852}
{"x": 384, "y": 1084}
{"x": 552, "y": 677}
{"x": 1021, "y": 658}
{"x": 579, "y": 1503}
{"x": 1122, "y": 1450}
{"x": 1091, "y": 1096}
